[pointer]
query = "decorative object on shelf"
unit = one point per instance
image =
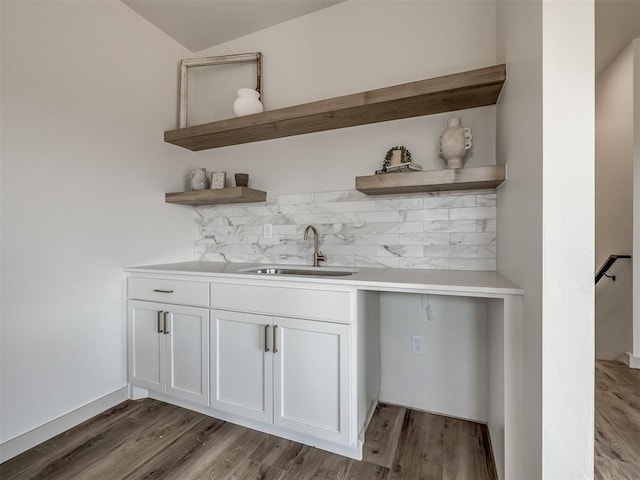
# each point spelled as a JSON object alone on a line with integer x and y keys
{"x": 402, "y": 167}
{"x": 218, "y": 179}
{"x": 247, "y": 103}
{"x": 398, "y": 159}
{"x": 242, "y": 179}
{"x": 396, "y": 156}
{"x": 198, "y": 179}
{"x": 454, "y": 143}
{"x": 210, "y": 61}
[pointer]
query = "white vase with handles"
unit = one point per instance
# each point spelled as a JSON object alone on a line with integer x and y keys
{"x": 247, "y": 103}
{"x": 454, "y": 143}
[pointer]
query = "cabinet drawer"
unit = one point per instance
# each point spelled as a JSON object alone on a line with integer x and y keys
{"x": 169, "y": 291}
{"x": 285, "y": 301}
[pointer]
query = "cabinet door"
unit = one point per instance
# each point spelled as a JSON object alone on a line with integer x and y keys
{"x": 312, "y": 378}
{"x": 241, "y": 368}
{"x": 146, "y": 345}
{"x": 187, "y": 353}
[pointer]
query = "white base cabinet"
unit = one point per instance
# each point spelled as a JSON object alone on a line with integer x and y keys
{"x": 241, "y": 365}
{"x": 291, "y": 372}
{"x": 286, "y": 358}
{"x": 169, "y": 349}
{"x": 312, "y": 378}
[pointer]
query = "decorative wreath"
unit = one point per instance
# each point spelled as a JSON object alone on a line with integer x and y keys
{"x": 406, "y": 155}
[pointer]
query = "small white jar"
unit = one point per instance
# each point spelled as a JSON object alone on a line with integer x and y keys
{"x": 247, "y": 102}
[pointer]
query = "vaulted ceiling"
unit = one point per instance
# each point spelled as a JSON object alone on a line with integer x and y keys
{"x": 200, "y": 24}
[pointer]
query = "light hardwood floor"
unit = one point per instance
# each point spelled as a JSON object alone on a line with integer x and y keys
{"x": 152, "y": 440}
{"x": 617, "y": 452}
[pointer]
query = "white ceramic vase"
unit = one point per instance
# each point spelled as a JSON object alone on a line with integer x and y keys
{"x": 454, "y": 143}
{"x": 247, "y": 103}
{"x": 198, "y": 179}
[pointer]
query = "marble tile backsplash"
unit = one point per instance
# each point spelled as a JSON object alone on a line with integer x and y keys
{"x": 440, "y": 230}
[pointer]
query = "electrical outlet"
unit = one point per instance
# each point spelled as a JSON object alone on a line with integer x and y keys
{"x": 417, "y": 345}
{"x": 268, "y": 230}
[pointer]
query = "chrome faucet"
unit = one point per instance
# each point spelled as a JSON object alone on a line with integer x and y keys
{"x": 317, "y": 254}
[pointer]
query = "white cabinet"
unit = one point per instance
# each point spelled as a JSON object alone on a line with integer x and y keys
{"x": 278, "y": 356}
{"x": 291, "y": 372}
{"x": 241, "y": 365}
{"x": 169, "y": 349}
{"x": 312, "y": 378}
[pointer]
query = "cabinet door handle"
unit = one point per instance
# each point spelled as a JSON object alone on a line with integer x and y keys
{"x": 160, "y": 321}
{"x": 266, "y": 338}
{"x": 159, "y": 290}
{"x": 275, "y": 348}
{"x": 166, "y": 322}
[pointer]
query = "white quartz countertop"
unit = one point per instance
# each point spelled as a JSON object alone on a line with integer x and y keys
{"x": 453, "y": 282}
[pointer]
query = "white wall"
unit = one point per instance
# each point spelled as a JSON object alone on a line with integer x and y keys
{"x": 519, "y": 145}
{"x": 353, "y": 47}
{"x": 87, "y": 90}
{"x": 568, "y": 221}
{"x": 614, "y": 204}
{"x": 545, "y": 227}
{"x": 452, "y": 377}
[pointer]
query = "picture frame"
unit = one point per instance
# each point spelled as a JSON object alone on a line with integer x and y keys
{"x": 186, "y": 64}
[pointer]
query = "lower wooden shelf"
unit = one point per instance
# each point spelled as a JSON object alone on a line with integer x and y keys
{"x": 216, "y": 196}
{"x": 432, "y": 180}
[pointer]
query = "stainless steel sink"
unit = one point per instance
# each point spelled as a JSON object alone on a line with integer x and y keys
{"x": 302, "y": 271}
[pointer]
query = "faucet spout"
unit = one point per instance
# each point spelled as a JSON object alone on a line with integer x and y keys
{"x": 317, "y": 254}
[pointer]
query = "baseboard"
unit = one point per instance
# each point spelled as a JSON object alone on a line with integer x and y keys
{"x": 631, "y": 360}
{"x": 367, "y": 420}
{"x": 30, "y": 439}
{"x": 420, "y": 408}
{"x": 136, "y": 393}
{"x": 354, "y": 451}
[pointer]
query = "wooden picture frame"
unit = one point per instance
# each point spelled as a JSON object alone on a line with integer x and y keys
{"x": 186, "y": 64}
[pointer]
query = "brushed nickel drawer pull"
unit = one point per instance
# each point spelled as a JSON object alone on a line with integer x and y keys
{"x": 166, "y": 323}
{"x": 266, "y": 341}
{"x": 160, "y": 321}
{"x": 275, "y": 348}
{"x": 160, "y": 290}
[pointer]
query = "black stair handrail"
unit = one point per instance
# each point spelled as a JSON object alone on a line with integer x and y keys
{"x": 607, "y": 265}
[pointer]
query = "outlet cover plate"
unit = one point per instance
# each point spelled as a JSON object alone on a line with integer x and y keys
{"x": 417, "y": 345}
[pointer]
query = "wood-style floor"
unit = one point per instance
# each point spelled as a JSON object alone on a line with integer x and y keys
{"x": 617, "y": 452}
{"x": 147, "y": 439}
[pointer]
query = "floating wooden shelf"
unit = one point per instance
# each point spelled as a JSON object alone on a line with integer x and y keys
{"x": 475, "y": 88}
{"x": 432, "y": 180}
{"x": 216, "y": 196}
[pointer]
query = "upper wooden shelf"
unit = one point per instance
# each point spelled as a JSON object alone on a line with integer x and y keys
{"x": 432, "y": 180}
{"x": 475, "y": 88}
{"x": 216, "y": 196}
